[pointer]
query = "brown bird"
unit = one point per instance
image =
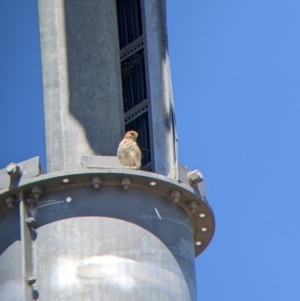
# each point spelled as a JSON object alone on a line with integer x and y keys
{"x": 129, "y": 153}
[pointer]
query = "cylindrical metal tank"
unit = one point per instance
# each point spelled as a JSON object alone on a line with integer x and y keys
{"x": 105, "y": 235}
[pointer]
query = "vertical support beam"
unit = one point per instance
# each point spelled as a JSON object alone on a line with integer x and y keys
{"x": 160, "y": 87}
{"x": 81, "y": 80}
{"x": 27, "y": 252}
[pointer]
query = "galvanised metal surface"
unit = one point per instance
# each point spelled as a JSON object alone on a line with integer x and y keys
{"x": 11, "y": 279}
{"x": 109, "y": 234}
{"x": 89, "y": 229}
{"x": 81, "y": 80}
{"x": 160, "y": 86}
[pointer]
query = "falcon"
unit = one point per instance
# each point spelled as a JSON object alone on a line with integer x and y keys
{"x": 129, "y": 153}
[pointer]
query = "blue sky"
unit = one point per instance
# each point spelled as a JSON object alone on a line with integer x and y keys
{"x": 236, "y": 82}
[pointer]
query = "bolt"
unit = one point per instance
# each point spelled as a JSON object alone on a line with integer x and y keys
{"x": 175, "y": 196}
{"x": 10, "y": 201}
{"x": 195, "y": 177}
{"x": 35, "y": 293}
{"x": 96, "y": 182}
{"x": 36, "y": 192}
{"x": 30, "y": 220}
{"x": 126, "y": 183}
{"x": 11, "y": 168}
{"x": 31, "y": 202}
{"x": 31, "y": 280}
{"x": 193, "y": 207}
{"x": 14, "y": 170}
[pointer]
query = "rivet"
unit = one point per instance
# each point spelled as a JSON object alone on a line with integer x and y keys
{"x": 193, "y": 207}
{"x": 10, "y": 201}
{"x": 36, "y": 192}
{"x": 31, "y": 201}
{"x": 96, "y": 182}
{"x": 126, "y": 183}
{"x": 175, "y": 195}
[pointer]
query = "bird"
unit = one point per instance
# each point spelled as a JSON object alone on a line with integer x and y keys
{"x": 129, "y": 153}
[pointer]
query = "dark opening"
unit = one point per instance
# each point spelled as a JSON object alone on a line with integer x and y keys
{"x": 141, "y": 125}
{"x": 134, "y": 74}
{"x": 133, "y": 80}
{"x": 129, "y": 21}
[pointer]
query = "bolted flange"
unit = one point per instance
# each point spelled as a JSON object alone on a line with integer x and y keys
{"x": 178, "y": 192}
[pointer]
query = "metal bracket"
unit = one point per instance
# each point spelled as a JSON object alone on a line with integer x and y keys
{"x": 27, "y": 251}
{"x": 185, "y": 175}
{"x": 14, "y": 173}
{"x": 96, "y": 162}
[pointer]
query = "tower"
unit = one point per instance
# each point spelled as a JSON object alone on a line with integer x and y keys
{"x": 90, "y": 229}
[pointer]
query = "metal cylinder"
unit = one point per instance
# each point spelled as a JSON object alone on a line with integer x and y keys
{"x": 114, "y": 245}
{"x": 105, "y": 243}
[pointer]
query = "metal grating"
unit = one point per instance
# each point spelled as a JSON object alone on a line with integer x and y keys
{"x": 129, "y": 21}
{"x": 131, "y": 48}
{"x": 136, "y": 111}
{"x": 134, "y": 80}
{"x": 134, "y": 85}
